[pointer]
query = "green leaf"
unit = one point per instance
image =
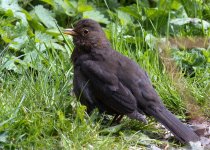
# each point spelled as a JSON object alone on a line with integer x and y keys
{"x": 35, "y": 23}
{"x": 9, "y": 13}
{"x": 57, "y": 47}
{"x": 50, "y": 2}
{"x": 194, "y": 21}
{"x": 95, "y": 15}
{"x": 45, "y": 16}
{"x": 31, "y": 56}
{"x": 28, "y": 16}
{"x": 112, "y": 129}
{"x": 206, "y": 54}
{"x": 153, "y": 13}
{"x": 124, "y": 17}
{"x": 83, "y": 6}
{"x": 41, "y": 37}
{"x": 3, "y": 137}
{"x": 19, "y": 30}
{"x": 21, "y": 16}
{"x": 151, "y": 40}
{"x": 19, "y": 42}
{"x": 176, "y": 5}
{"x": 69, "y": 8}
{"x": 9, "y": 63}
{"x": 81, "y": 113}
{"x": 10, "y": 6}
{"x": 61, "y": 116}
{"x": 131, "y": 10}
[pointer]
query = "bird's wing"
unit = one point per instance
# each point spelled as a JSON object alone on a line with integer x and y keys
{"x": 83, "y": 91}
{"x": 110, "y": 90}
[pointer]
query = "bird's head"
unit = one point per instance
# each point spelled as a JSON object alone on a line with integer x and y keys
{"x": 88, "y": 34}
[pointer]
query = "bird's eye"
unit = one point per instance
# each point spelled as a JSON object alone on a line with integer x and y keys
{"x": 86, "y": 31}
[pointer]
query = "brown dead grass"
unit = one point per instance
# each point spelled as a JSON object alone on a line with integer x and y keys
{"x": 194, "y": 111}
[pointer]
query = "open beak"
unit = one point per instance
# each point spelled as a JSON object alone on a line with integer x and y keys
{"x": 70, "y": 32}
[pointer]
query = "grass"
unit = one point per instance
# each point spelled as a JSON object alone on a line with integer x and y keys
{"x": 39, "y": 110}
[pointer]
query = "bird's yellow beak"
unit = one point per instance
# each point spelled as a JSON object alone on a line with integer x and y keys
{"x": 70, "y": 32}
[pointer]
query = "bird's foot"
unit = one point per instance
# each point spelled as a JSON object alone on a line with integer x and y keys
{"x": 136, "y": 115}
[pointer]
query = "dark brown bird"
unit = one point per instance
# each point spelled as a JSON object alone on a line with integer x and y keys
{"x": 111, "y": 82}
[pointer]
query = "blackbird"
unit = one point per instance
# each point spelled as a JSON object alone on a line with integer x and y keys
{"x": 113, "y": 83}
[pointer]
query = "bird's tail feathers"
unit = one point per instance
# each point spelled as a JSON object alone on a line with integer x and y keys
{"x": 180, "y": 130}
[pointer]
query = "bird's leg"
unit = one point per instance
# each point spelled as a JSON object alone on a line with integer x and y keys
{"x": 114, "y": 119}
{"x": 117, "y": 119}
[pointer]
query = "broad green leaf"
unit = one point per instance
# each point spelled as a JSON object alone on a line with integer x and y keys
{"x": 32, "y": 59}
{"x": 71, "y": 4}
{"x": 35, "y": 22}
{"x": 112, "y": 129}
{"x": 10, "y": 63}
{"x": 83, "y": 6}
{"x": 6, "y": 39}
{"x": 19, "y": 30}
{"x": 131, "y": 10}
{"x": 19, "y": 42}
{"x": 9, "y": 13}
{"x": 95, "y": 15}
{"x": 27, "y": 14}
{"x": 176, "y": 5}
{"x": 3, "y": 137}
{"x": 12, "y": 5}
{"x": 124, "y": 17}
{"x": 194, "y": 21}
{"x": 206, "y": 53}
{"x": 45, "y": 16}
{"x": 21, "y": 16}
{"x": 42, "y": 37}
{"x": 31, "y": 56}
{"x": 57, "y": 47}
{"x": 50, "y": 2}
{"x": 153, "y": 13}
{"x": 69, "y": 8}
{"x": 151, "y": 40}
